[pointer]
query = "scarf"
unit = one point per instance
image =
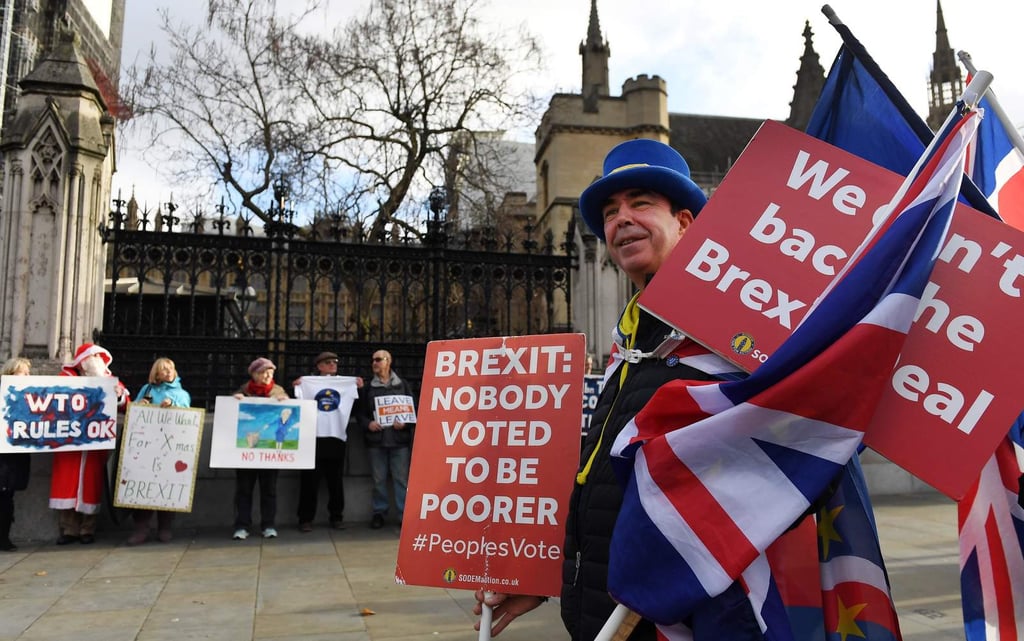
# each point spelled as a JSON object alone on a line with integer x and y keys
{"x": 252, "y": 388}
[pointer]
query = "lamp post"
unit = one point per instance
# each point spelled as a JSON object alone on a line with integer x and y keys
{"x": 279, "y": 221}
{"x": 436, "y": 240}
{"x": 437, "y": 223}
{"x": 280, "y": 230}
{"x": 282, "y": 189}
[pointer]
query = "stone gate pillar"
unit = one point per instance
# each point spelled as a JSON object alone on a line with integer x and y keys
{"x": 57, "y": 153}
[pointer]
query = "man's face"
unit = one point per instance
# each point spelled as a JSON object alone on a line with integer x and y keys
{"x": 381, "y": 363}
{"x": 93, "y": 366}
{"x": 641, "y": 231}
{"x": 328, "y": 367}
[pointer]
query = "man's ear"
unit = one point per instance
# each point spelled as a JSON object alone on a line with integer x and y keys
{"x": 685, "y": 218}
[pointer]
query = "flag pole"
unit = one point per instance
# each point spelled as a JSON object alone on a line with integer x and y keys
{"x": 486, "y": 618}
{"x": 619, "y": 625}
{"x": 1011, "y": 131}
{"x": 968, "y": 189}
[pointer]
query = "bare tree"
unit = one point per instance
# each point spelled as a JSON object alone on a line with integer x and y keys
{"x": 363, "y": 118}
{"x": 219, "y": 107}
{"x": 404, "y": 82}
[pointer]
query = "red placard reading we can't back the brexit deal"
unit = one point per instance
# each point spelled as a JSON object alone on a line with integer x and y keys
{"x": 781, "y": 227}
{"x": 496, "y": 446}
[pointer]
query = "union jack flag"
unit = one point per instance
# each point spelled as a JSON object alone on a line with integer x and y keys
{"x": 719, "y": 471}
{"x": 992, "y": 546}
{"x": 861, "y": 111}
{"x": 990, "y": 519}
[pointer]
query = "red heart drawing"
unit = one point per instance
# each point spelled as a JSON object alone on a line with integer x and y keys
{"x": 180, "y": 466}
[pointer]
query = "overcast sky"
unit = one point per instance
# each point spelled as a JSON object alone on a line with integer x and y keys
{"x": 732, "y": 57}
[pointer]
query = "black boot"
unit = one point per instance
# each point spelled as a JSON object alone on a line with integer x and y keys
{"x": 5, "y": 533}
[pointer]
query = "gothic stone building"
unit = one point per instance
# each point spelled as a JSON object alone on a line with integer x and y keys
{"x": 577, "y": 130}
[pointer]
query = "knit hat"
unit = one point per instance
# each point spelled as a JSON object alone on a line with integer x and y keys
{"x": 645, "y": 164}
{"x": 261, "y": 364}
{"x": 324, "y": 356}
{"x": 85, "y": 350}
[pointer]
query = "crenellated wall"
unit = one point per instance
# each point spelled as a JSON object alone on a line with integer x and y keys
{"x": 572, "y": 139}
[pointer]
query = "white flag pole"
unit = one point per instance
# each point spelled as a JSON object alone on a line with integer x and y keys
{"x": 486, "y": 617}
{"x": 993, "y": 102}
{"x": 619, "y": 625}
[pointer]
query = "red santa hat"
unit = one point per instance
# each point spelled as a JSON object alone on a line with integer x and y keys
{"x": 85, "y": 350}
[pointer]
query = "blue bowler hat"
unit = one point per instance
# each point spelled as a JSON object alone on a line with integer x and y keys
{"x": 646, "y": 164}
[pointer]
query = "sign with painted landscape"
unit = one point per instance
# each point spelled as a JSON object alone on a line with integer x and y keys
{"x": 256, "y": 432}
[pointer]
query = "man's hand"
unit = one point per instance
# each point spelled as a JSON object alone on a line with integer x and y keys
{"x": 504, "y": 608}
{"x": 375, "y": 426}
{"x": 398, "y": 425}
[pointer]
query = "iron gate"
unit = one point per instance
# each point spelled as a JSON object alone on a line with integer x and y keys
{"x": 213, "y": 294}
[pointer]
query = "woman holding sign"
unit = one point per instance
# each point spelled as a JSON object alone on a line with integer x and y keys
{"x": 261, "y": 383}
{"x": 163, "y": 389}
{"x": 14, "y": 468}
{"x": 388, "y": 415}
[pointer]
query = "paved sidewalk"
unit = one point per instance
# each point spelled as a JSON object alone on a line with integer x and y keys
{"x": 323, "y": 585}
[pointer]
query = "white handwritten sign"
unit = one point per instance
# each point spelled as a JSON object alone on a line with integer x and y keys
{"x": 159, "y": 454}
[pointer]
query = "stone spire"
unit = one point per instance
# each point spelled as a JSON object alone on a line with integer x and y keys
{"x": 810, "y": 78}
{"x": 595, "y": 53}
{"x": 945, "y": 83}
{"x": 57, "y": 161}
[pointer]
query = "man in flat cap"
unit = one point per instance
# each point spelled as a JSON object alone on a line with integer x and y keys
{"x": 334, "y": 396}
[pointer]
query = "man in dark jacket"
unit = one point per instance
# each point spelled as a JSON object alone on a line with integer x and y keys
{"x": 388, "y": 417}
{"x": 640, "y": 208}
{"x": 333, "y": 404}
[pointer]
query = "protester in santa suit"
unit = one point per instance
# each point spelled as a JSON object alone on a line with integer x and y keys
{"x": 76, "y": 484}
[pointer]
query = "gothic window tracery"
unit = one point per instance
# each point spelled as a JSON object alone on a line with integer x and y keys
{"x": 47, "y": 162}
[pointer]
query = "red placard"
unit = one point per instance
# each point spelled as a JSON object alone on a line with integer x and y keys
{"x": 495, "y": 453}
{"x": 782, "y": 223}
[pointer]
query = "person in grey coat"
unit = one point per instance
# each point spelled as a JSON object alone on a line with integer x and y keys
{"x": 388, "y": 438}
